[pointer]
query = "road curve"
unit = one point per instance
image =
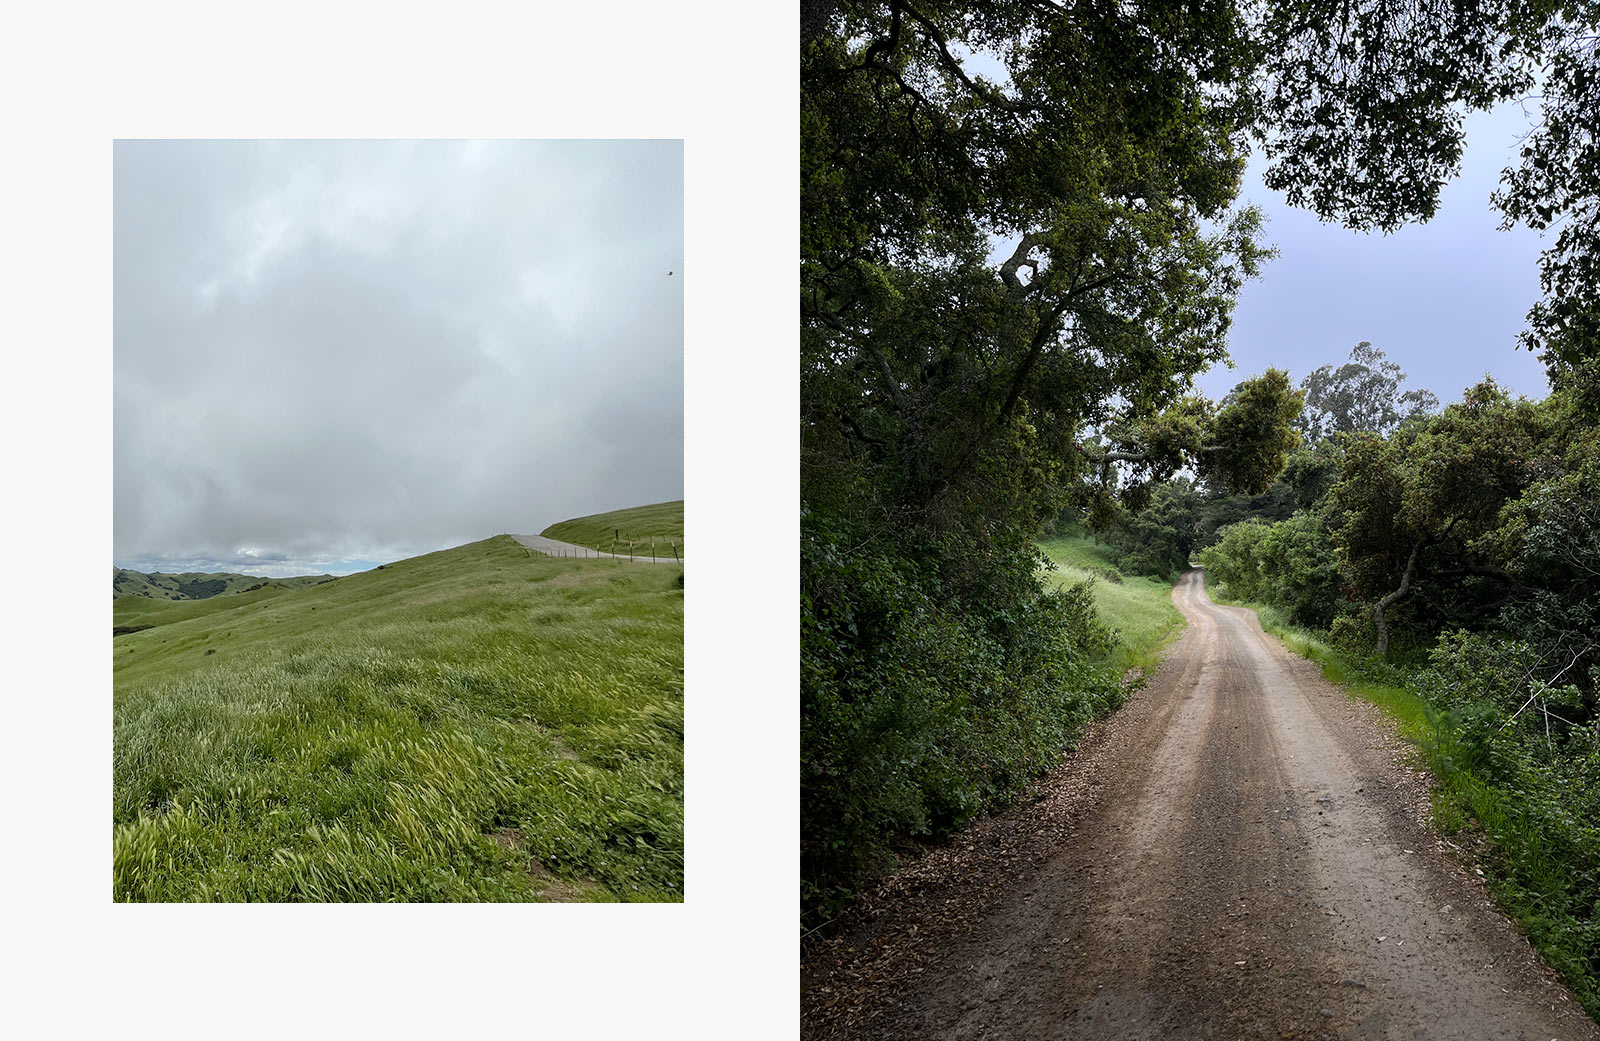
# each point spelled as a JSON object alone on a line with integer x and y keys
{"x": 1250, "y": 864}
{"x": 557, "y": 548}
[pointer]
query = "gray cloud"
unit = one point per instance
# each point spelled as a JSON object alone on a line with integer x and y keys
{"x": 354, "y": 351}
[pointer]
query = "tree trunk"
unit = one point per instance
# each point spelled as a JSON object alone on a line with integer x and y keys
{"x": 1389, "y": 601}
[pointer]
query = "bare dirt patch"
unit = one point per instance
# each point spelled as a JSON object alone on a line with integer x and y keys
{"x": 549, "y": 886}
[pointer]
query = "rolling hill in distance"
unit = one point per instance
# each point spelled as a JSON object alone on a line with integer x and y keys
{"x": 197, "y": 585}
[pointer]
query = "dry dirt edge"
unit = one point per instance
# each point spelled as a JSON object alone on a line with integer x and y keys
{"x": 1240, "y": 808}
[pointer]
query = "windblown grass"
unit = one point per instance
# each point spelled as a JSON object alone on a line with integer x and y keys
{"x": 474, "y": 724}
{"x": 662, "y": 521}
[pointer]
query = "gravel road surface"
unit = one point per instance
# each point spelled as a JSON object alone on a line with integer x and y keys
{"x": 557, "y": 548}
{"x": 1238, "y": 853}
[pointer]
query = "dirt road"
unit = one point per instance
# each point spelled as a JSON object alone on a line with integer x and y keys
{"x": 557, "y": 548}
{"x": 1237, "y": 854}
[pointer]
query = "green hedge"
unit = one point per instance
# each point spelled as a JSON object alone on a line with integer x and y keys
{"x": 928, "y": 697}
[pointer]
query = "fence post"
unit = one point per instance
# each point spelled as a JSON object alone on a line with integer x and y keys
{"x": 652, "y": 549}
{"x": 675, "y": 553}
{"x": 630, "y": 551}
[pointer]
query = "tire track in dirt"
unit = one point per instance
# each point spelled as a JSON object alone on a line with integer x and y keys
{"x": 1252, "y": 866}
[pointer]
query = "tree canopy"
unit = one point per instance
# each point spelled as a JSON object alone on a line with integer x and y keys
{"x": 909, "y": 150}
{"x": 1419, "y": 507}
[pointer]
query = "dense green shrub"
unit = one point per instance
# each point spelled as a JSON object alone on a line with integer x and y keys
{"x": 926, "y": 702}
{"x": 1290, "y": 565}
{"x": 1158, "y": 539}
{"x": 1509, "y": 754}
{"x": 1235, "y": 561}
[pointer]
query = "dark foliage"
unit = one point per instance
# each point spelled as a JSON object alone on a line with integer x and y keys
{"x": 1158, "y": 539}
{"x": 202, "y": 588}
{"x": 921, "y": 706}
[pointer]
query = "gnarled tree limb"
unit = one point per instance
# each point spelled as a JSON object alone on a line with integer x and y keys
{"x": 1390, "y": 599}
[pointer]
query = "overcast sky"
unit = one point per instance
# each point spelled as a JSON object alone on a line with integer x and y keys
{"x": 1444, "y": 300}
{"x": 330, "y": 354}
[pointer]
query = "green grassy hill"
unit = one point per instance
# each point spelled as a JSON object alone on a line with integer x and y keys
{"x": 474, "y": 724}
{"x": 197, "y": 585}
{"x": 663, "y": 521}
{"x": 129, "y": 613}
{"x": 1139, "y": 609}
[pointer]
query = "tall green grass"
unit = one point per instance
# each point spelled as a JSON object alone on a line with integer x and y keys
{"x": 476, "y": 724}
{"x": 1541, "y": 860}
{"x": 662, "y": 521}
{"x": 1140, "y": 610}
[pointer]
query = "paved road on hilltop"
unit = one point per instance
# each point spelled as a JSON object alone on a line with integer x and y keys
{"x": 1238, "y": 853}
{"x": 557, "y": 548}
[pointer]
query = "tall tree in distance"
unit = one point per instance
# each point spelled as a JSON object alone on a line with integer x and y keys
{"x": 1364, "y": 394}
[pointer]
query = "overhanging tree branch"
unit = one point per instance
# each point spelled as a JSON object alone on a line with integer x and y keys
{"x": 1390, "y": 599}
{"x": 953, "y": 66}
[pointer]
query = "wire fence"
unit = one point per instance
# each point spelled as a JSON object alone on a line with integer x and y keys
{"x": 655, "y": 550}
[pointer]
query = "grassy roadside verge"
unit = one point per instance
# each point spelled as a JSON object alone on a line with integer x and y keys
{"x": 1539, "y": 859}
{"x": 1139, "y": 609}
